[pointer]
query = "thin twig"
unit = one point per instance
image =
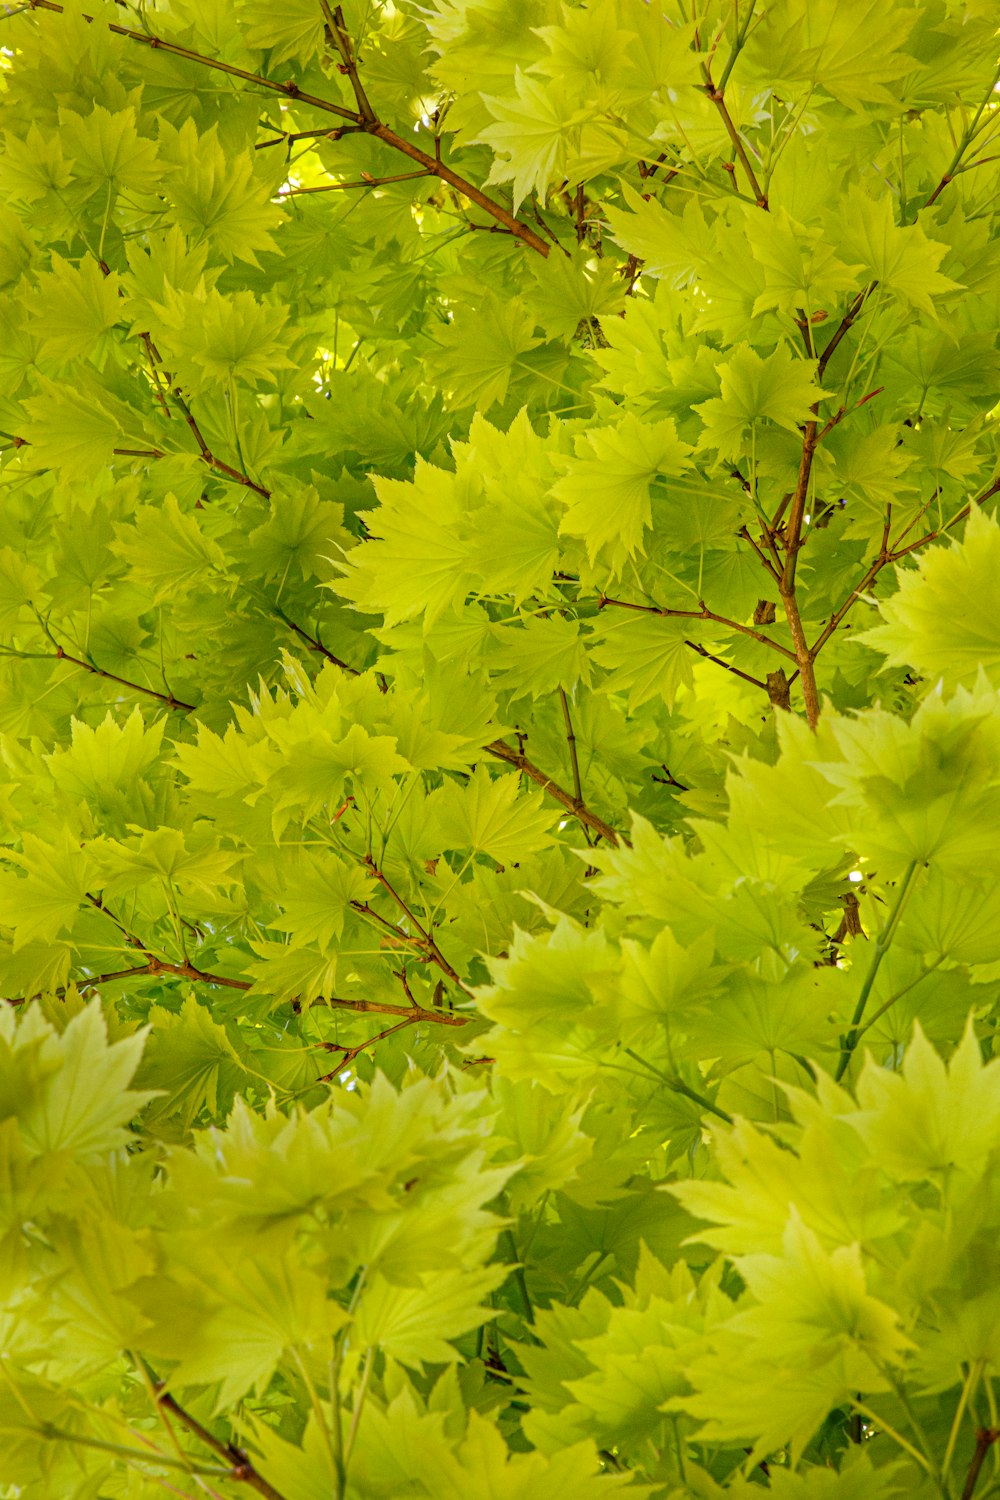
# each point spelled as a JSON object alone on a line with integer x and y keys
{"x": 764, "y": 560}
{"x": 289, "y": 137}
{"x": 161, "y": 44}
{"x": 426, "y": 939}
{"x": 207, "y": 456}
{"x": 315, "y": 644}
{"x": 362, "y": 182}
{"x": 176, "y": 704}
{"x": 341, "y": 38}
{"x": 720, "y": 663}
{"x": 718, "y": 99}
{"x": 985, "y": 1438}
{"x": 573, "y": 759}
{"x": 377, "y": 1008}
{"x": 580, "y": 811}
{"x": 965, "y": 141}
{"x": 992, "y": 489}
{"x": 702, "y": 613}
{"x": 846, "y": 323}
{"x": 350, "y": 1054}
{"x": 371, "y": 126}
{"x": 157, "y": 966}
{"x": 882, "y": 945}
{"x": 241, "y": 1467}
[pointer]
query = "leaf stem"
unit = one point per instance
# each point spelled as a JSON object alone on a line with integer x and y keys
{"x": 676, "y": 1084}
{"x": 882, "y": 945}
{"x": 883, "y": 1426}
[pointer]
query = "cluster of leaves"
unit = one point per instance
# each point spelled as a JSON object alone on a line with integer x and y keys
{"x": 499, "y": 749}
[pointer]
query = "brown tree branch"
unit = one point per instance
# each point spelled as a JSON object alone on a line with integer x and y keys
{"x": 889, "y": 554}
{"x": 426, "y": 939}
{"x": 720, "y": 663}
{"x": 341, "y": 37}
{"x": 160, "y": 44}
{"x": 846, "y": 323}
{"x": 953, "y": 168}
{"x": 468, "y": 189}
{"x": 157, "y": 966}
{"x": 371, "y": 126}
{"x": 176, "y": 704}
{"x": 315, "y": 644}
{"x": 985, "y": 1438}
{"x": 702, "y": 613}
{"x": 153, "y": 355}
{"x": 874, "y": 569}
{"x": 718, "y": 99}
{"x": 992, "y": 489}
{"x": 581, "y": 812}
{"x": 351, "y": 1054}
{"x": 377, "y": 1008}
{"x": 762, "y": 556}
{"x": 242, "y": 1468}
{"x": 811, "y": 437}
{"x": 803, "y": 656}
{"x": 206, "y": 454}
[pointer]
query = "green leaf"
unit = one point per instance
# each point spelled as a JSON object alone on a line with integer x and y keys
{"x": 44, "y": 902}
{"x": 529, "y": 134}
{"x": 607, "y": 488}
{"x": 75, "y": 428}
{"x": 933, "y": 1122}
{"x": 414, "y": 1323}
{"x": 945, "y": 616}
{"x": 108, "y": 152}
{"x": 214, "y": 195}
{"x": 166, "y": 549}
{"x": 319, "y": 898}
{"x": 294, "y": 34}
{"x": 216, "y": 339}
{"x": 644, "y": 656}
{"x": 75, "y": 309}
{"x": 779, "y": 387}
{"x": 68, "y": 1092}
{"x": 479, "y": 353}
{"x": 487, "y": 815}
{"x": 193, "y": 1061}
{"x": 802, "y": 273}
{"x": 900, "y": 258}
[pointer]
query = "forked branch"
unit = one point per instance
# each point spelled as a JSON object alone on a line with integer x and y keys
{"x": 362, "y": 119}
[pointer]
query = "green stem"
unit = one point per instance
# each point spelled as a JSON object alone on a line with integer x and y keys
{"x": 321, "y": 1422}
{"x": 899, "y": 995}
{"x": 968, "y": 1387}
{"x": 964, "y": 143}
{"x": 882, "y": 945}
{"x": 738, "y": 45}
{"x": 677, "y": 1085}
{"x": 517, "y": 1270}
{"x": 359, "y": 1402}
{"x": 121, "y": 1450}
{"x": 881, "y": 1425}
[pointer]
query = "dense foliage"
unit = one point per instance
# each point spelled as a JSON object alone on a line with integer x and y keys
{"x": 499, "y": 749}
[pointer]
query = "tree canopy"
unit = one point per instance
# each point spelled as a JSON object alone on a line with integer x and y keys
{"x": 499, "y": 749}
